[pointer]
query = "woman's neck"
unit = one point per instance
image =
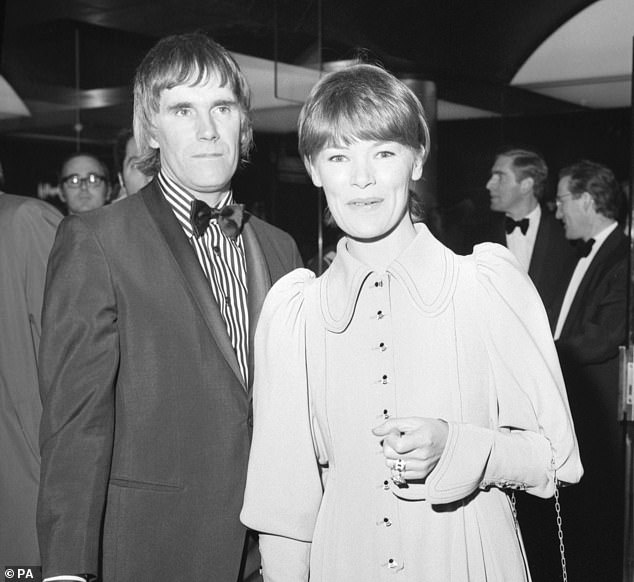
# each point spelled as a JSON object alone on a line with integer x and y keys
{"x": 378, "y": 254}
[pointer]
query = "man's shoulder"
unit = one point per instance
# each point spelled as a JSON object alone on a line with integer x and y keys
{"x": 617, "y": 247}
{"x": 278, "y": 246}
{"x": 19, "y": 210}
{"x": 116, "y": 213}
{"x": 266, "y": 229}
{"x": 549, "y": 220}
{"x": 26, "y": 204}
{"x": 552, "y": 228}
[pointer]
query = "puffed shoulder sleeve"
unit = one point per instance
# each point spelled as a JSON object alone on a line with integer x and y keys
{"x": 530, "y": 442}
{"x": 284, "y": 489}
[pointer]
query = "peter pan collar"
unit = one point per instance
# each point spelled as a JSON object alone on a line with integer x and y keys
{"x": 426, "y": 269}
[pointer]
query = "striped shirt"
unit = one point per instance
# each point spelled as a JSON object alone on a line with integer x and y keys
{"x": 223, "y": 262}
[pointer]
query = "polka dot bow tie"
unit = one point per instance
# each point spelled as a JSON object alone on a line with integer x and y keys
{"x": 229, "y": 218}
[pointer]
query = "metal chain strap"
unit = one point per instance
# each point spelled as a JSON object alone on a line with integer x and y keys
{"x": 514, "y": 510}
{"x": 560, "y": 529}
{"x": 560, "y": 535}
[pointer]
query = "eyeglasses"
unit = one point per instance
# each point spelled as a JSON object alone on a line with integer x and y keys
{"x": 75, "y": 181}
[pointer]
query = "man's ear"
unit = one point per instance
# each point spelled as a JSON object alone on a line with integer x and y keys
{"x": 313, "y": 172}
{"x": 150, "y": 134}
{"x": 588, "y": 201}
{"x": 526, "y": 185}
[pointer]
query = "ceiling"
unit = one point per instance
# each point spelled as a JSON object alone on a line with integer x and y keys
{"x": 72, "y": 62}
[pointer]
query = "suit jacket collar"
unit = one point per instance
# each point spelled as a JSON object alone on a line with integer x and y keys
{"x": 543, "y": 242}
{"x": 186, "y": 263}
{"x": 258, "y": 281}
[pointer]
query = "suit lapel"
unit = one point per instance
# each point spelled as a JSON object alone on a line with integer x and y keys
{"x": 580, "y": 301}
{"x": 187, "y": 265}
{"x": 258, "y": 281}
{"x": 542, "y": 243}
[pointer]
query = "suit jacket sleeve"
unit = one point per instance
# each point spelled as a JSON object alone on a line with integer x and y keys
{"x": 78, "y": 367}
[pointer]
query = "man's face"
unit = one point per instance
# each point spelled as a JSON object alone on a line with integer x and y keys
{"x": 83, "y": 184}
{"x": 197, "y": 131}
{"x": 506, "y": 192}
{"x": 573, "y": 212}
{"x": 132, "y": 179}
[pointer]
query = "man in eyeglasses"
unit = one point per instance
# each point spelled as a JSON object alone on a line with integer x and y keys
{"x": 84, "y": 183}
{"x": 590, "y": 328}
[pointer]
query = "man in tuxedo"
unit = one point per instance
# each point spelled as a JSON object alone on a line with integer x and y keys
{"x": 146, "y": 362}
{"x": 590, "y": 327}
{"x": 516, "y": 186}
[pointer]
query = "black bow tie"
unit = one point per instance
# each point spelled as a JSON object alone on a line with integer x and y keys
{"x": 584, "y": 247}
{"x": 229, "y": 218}
{"x": 510, "y": 224}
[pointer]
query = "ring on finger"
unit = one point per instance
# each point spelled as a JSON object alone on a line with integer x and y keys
{"x": 397, "y": 477}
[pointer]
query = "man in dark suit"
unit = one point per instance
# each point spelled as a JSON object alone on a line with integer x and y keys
{"x": 529, "y": 230}
{"x": 146, "y": 367}
{"x": 590, "y": 327}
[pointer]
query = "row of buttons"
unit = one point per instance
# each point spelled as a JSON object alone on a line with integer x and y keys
{"x": 391, "y": 563}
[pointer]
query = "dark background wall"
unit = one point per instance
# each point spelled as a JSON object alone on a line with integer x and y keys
{"x": 274, "y": 185}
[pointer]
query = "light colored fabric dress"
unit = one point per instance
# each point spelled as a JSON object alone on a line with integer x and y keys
{"x": 437, "y": 335}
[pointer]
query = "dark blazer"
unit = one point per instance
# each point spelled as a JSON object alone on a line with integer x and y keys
{"x": 588, "y": 349}
{"x": 146, "y": 425}
{"x": 552, "y": 261}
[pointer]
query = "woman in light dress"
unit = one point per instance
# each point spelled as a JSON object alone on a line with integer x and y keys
{"x": 402, "y": 395}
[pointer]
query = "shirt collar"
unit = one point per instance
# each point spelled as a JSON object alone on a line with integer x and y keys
{"x": 534, "y": 215}
{"x": 424, "y": 260}
{"x": 180, "y": 199}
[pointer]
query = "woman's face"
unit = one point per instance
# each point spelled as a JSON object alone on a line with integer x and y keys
{"x": 367, "y": 185}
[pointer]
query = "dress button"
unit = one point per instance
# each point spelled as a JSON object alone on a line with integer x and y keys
{"x": 379, "y": 314}
{"x": 384, "y": 379}
{"x": 382, "y": 347}
{"x": 387, "y": 522}
{"x": 378, "y": 283}
{"x": 385, "y": 413}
